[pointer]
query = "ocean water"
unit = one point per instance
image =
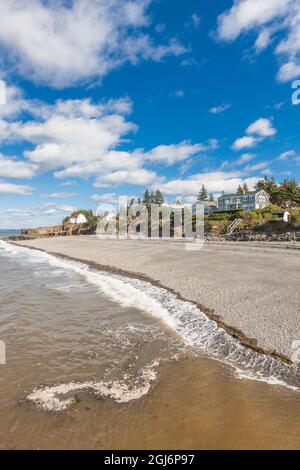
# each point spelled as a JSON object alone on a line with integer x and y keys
{"x": 98, "y": 360}
{"x": 9, "y": 232}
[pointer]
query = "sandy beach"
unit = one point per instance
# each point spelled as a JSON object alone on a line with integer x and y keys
{"x": 251, "y": 288}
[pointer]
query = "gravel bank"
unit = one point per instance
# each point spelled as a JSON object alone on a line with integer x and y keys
{"x": 252, "y": 288}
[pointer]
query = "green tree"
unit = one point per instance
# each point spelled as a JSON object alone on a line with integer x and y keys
{"x": 245, "y": 188}
{"x": 202, "y": 196}
{"x": 239, "y": 190}
{"x": 147, "y": 199}
{"x": 289, "y": 193}
{"x": 286, "y": 194}
{"x": 211, "y": 197}
{"x": 131, "y": 202}
{"x": 159, "y": 199}
{"x": 267, "y": 184}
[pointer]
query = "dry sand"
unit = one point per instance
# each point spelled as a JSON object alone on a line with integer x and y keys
{"x": 252, "y": 287}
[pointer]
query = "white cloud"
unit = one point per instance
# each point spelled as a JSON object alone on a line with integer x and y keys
{"x": 111, "y": 198}
{"x": 244, "y": 142}
{"x": 174, "y": 153}
{"x": 14, "y": 168}
{"x": 60, "y": 44}
{"x": 213, "y": 144}
{"x": 141, "y": 177}
{"x": 286, "y": 155}
{"x": 262, "y": 127}
{"x": 268, "y": 18}
{"x": 71, "y": 131}
{"x": 80, "y": 139}
{"x": 196, "y": 20}
{"x": 63, "y": 195}
{"x": 37, "y": 216}
{"x": 257, "y": 166}
{"x": 69, "y": 183}
{"x": 247, "y": 14}
{"x": 9, "y": 188}
{"x": 245, "y": 158}
{"x": 213, "y": 181}
{"x": 289, "y": 71}
{"x": 219, "y": 109}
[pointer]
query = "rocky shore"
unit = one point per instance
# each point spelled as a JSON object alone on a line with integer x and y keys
{"x": 54, "y": 231}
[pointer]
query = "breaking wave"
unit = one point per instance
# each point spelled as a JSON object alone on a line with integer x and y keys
{"x": 184, "y": 318}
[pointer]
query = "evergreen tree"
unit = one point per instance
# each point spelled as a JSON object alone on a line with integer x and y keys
{"x": 245, "y": 188}
{"x": 202, "y": 196}
{"x": 239, "y": 190}
{"x": 132, "y": 201}
{"x": 147, "y": 199}
{"x": 159, "y": 199}
{"x": 211, "y": 197}
{"x": 289, "y": 193}
{"x": 270, "y": 186}
{"x": 286, "y": 194}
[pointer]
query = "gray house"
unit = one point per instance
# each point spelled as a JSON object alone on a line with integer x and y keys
{"x": 247, "y": 201}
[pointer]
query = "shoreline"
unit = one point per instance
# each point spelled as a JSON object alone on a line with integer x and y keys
{"x": 239, "y": 334}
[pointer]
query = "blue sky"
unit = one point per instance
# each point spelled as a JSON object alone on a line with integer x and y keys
{"x": 110, "y": 97}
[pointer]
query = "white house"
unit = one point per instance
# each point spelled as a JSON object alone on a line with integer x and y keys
{"x": 78, "y": 219}
{"x": 248, "y": 201}
{"x": 285, "y": 216}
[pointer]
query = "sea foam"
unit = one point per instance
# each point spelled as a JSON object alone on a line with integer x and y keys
{"x": 184, "y": 318}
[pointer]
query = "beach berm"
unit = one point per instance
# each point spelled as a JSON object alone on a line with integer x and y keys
{"x": 251, "y": 289}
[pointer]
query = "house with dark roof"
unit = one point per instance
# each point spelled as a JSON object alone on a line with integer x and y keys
{"x": 247, "y": 201}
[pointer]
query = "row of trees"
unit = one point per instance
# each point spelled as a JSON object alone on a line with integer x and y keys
{"x": 242, "y": 189}
{"x": 156, "y": 197}
{"x": 153, "y": 197}
{"x": 285, "y": 194}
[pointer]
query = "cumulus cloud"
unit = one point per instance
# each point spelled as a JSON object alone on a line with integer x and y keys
{"x": 62, "y": 43}
{"x": 68, "y": 132}
{"x": 213, "y": 181}
{"x": 268, "y": 18}
{"x": 9, "y": 188}
{"x": 14, "y": 168}
{"x": 258, "y": 130}
{"x": 244, "y": 142}
{"x": 82, "y": 139}
{"x": 174, "y": 153}
{"x": 141, "y": 176}
{"x": 262, "y": 127}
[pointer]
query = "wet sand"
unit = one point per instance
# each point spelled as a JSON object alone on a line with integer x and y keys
{"x": 250, "y": 287}
{"x": 101, "y": 361}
